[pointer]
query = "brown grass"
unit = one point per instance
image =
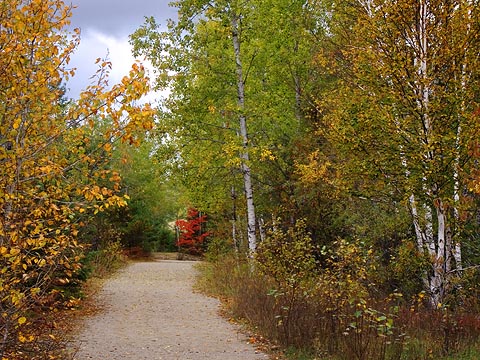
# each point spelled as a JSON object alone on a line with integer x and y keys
{"x": 359, "y": 329}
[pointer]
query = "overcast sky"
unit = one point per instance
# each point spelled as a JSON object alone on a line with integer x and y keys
{"x": 105, "y": 26}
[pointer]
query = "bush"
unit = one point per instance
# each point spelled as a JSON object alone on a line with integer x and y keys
{"x": 102, "y": 262}
{"x": 324, "y": 302}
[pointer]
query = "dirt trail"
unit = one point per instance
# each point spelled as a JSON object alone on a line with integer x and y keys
{"x": 150, "y": 312}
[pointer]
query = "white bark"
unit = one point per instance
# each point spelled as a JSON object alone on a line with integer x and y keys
{"x": 247, "y": 178}
{"x": 416, "y": 224}
{"x": 437, "y": 280}
{"x": 429, "y": 238}
{"x": 261, "y": 228}
{"x": 234, "y": 218}
{"x": 436, "y": 246}
{"x": 457, "y": 249}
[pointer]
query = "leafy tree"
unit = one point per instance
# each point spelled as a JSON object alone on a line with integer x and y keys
{"x": 403, "y": 112}
{"x": 152, "y": 204}
{"x": 237, "y": 78}
{"x": 191, "y": 232}
{"x": 49, "y": 179}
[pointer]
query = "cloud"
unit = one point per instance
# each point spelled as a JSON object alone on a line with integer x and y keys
{"x": 119, "y": 17}
{"x": 105, "y": 26}
{"x": 95, "y": 45}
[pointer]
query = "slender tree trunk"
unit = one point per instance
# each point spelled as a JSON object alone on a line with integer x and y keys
{"x": 438, "y": 278}
{"x": 261, "y": 228}
{"x": 435, "y": 245}
{"x": 234, "y": 219}
{"x": 247, "y": 178}
{"x": 456, "y": 248}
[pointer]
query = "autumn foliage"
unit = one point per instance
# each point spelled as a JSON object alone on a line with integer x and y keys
{"x": 52, "y": 172}
{"x": 192, "y": 235}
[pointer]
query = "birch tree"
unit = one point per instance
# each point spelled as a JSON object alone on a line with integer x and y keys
{"x": 235, "y": 98}
{"x": 406, "y": 106}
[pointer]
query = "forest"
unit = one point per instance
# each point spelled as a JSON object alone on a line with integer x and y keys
{"x": 320, "y": 155}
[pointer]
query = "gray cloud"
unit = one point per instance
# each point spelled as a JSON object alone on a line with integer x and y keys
{"x": 105, "y": 26}
{"x": 119, "y": 18}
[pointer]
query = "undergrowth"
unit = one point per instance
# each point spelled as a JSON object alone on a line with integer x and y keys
{"x": 323, "y": 305}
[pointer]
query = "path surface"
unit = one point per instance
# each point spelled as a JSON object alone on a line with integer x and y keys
{"x": 150, "y": 312}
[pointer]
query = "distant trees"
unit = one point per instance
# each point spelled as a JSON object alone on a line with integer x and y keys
{"x": 192, "y": 233}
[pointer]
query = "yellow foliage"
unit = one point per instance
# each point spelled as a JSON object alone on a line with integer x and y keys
{"x": 48, "y": 179}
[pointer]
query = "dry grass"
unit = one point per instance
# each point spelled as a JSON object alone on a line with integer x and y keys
{"x": 306, "y": 320}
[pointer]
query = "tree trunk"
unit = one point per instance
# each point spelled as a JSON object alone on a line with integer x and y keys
{"x": 435, "y": 245}
{"x": 234, "y": 219}
{"x": 244, "y": 156}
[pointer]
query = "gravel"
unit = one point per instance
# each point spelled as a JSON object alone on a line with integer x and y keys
{"x": 149, "y": 311}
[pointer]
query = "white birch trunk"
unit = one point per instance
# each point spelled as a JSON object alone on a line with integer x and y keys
{"x": 234, "y": 219}
{"x": 438, "y": 277}
{"x": 261, "y": 228}
{"x": 435, "y": 246}
{"x": 247, "y": 179}
{"x": 416, "y": 224}
{"x": 456, "y": 250}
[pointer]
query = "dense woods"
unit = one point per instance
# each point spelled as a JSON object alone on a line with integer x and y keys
{"x": 323, "y": 155}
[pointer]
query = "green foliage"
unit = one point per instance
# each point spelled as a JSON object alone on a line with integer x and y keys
{"x": 151, "y": 203}
{"x": 199, "y": 125}
{"x": 217, "y": 249}
{"x": 406, "y": 268}
{"x": 102, "y": 262}
{"x": 287, "y": 257}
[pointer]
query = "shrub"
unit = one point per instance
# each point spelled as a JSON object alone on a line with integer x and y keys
{"x": 324, "y": 302}
{"x": 103, "y": 261}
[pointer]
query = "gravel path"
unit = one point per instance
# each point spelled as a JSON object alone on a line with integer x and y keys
{"x": 151, "y": 313}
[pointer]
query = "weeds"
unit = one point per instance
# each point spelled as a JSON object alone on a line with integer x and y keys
{"x": 321, "y": 305}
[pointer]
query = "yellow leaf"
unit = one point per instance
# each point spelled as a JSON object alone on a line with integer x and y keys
{"x": 22, "y": 320}
{"x": 14, "y": 251}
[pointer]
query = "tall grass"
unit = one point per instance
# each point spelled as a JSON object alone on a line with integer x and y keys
{"x": 102, "y": 262}
{"x": 340, "y": 327}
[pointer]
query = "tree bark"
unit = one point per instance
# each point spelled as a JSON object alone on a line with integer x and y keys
{"x": 244, "y": 156}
